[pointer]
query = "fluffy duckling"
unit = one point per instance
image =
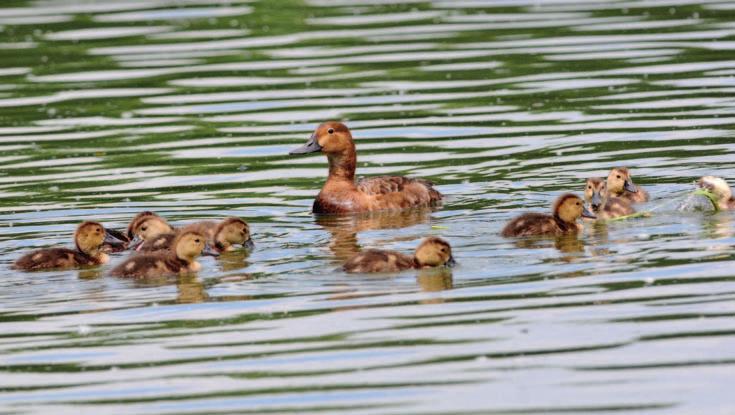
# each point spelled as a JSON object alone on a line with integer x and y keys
{"x": 720, "y": 189}
{"x": 603, "y": 206}
{"x": 566, "y": 210}
{"x": 222, "y": 236}
{"x": 146, "y": 225}
{"x": 89, "y": 239}
{"x": 432, "y": 252}
{"x": 341, "y": 194}
{"x": 620, "y": 184}
{"x": 179, "y": 260}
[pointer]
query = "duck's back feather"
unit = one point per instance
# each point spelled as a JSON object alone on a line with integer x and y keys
{"x": 397, "y": 192}
{"x": 529, "y": 224}
{"x": 159, "y": 243}
{"x": 150, "y": 265}
{"x": 54, "y": 258}
{"x": 374, "y": 260}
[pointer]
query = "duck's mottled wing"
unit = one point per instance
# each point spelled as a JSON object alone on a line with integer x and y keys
{"x": 420, "y": 189}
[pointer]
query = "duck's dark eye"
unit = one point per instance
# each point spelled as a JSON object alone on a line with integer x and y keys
{"x": 589, "y": 187}
{"x": 618, "y": 176}
{"x": 330, "y": 131}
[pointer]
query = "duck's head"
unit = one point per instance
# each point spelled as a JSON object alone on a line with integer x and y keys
{"x": 89, "y": 238}
{"x": 595, "y": 193}
{"x": 434, "y": 252}
{"x": 718, "y": 187}
{"x": 190, "y": 244}
{"x": 619, "y": 181}
{"x": 232, "y": 231}
{"x": 147, "y": 225}
{"x": 569, "y": 208}
{"x": 330, "y": 138}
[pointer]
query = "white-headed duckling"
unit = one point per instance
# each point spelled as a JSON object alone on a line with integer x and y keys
{"x": 563, "y": 220}
{"x": 222, "y": 236}
{"x": 620, "y": 184}
{"x": 432, "y": 252}
{"x": 721, "y": 191}
{"x": 181, "y": 259}
{"x": 89, "y": 239}
{"x": 146, "y": 225}
{"x": 602, "y": 205}
{"x": 341, "y": 194}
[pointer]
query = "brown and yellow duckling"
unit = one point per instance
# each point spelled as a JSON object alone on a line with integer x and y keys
{"x": 181, "y": 259}
{"x": 222, "y": 236}
{"x": 341, "y": 194}
{"x": 89, "y": 239}
{"x": 432, "y": 252}
{"x": 601, "y": 203}
{"x": 563, "y": 220}
{"x": 719, "y": 189}
{"x": 620, "y": 184}
{"x": 146, "y": 225}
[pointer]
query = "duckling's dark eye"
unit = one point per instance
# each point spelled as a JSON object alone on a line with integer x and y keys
{"x": 144, "y": 228}
{"x": 618, "y": 176}
{"x": 589, "y": 187}
{"x": 197, "y": 240}
{"x": 330, "y": 131}
{"x": 578, "y": 203}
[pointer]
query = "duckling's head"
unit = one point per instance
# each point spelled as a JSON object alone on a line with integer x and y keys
{"x": 89, "y": 238}
{"x": 232, "y": 231}
{"x": 595, "y": 192}
{"x": 135, "y": 222}
{"x": 569, "y": 208}
{"x": 716, "y": 186}
{"x": 189, "y": 244}
{"x": 330, "y": 138}
{"x": 619, "y": 181}
{"x": 434, "y": 252}
{"x": 149, "y": 226}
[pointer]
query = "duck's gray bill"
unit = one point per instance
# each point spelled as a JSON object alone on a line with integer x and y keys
{"x": 311, "y": 146}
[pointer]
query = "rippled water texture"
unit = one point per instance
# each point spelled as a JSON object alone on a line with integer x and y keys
{"x": 189, "y": 108}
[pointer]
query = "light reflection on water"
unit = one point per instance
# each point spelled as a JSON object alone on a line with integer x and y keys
{"x": 189, "y": 108}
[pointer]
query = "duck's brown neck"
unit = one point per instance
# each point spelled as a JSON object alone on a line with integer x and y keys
{"x": 342, "y": 165}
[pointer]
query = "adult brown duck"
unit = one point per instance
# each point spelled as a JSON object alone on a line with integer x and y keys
{"x": 341, "y": 194}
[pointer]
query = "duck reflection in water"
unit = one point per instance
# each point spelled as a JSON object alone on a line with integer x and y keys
{"x": 344, "y": 229}
{"x": 190, "y": 290}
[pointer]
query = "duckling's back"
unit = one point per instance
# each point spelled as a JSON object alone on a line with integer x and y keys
{"x": 531, "y": 224}
{"x": 616, "y": 207}
{"x": 374, "y": 260}
{"x": 161, "y": 242}
{"x": 54, "y": 258}
{"x": 149, "y": 265}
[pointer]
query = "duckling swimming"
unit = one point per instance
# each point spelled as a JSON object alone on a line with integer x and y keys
{"x": 222, "y": 236}
{"x": 720, "y": 189}
{"x": 89, "y": 239}
{"x": 603, "y": 206}
{"x": 146, "y": 225}
{"x": 179, "y": 260}
{"x": 620, "y": 184}
{"x": 341, "y": 194}
{"x": 432, "y": 252}
{"x": 566, "y": 210}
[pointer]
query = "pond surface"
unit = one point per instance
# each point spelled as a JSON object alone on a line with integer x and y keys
{"x": 189, "y": 108}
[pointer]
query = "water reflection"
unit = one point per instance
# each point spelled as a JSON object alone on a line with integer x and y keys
{"x": 344, "y": 229}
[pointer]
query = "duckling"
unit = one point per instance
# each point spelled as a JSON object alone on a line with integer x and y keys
{"x": 179, "y": 260}
{"x": 720, "y": 189}
{"x": 432, "y": 252}
{"x": 89, "y": 239}
{"x": 620, "y": 184}
{"x": 146, "y": 225}
{"x": 604, "y": 206}
{"x": 566, "y": 210}
{"x": 222, "y": 236}
{"x": 341, "y": 194}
